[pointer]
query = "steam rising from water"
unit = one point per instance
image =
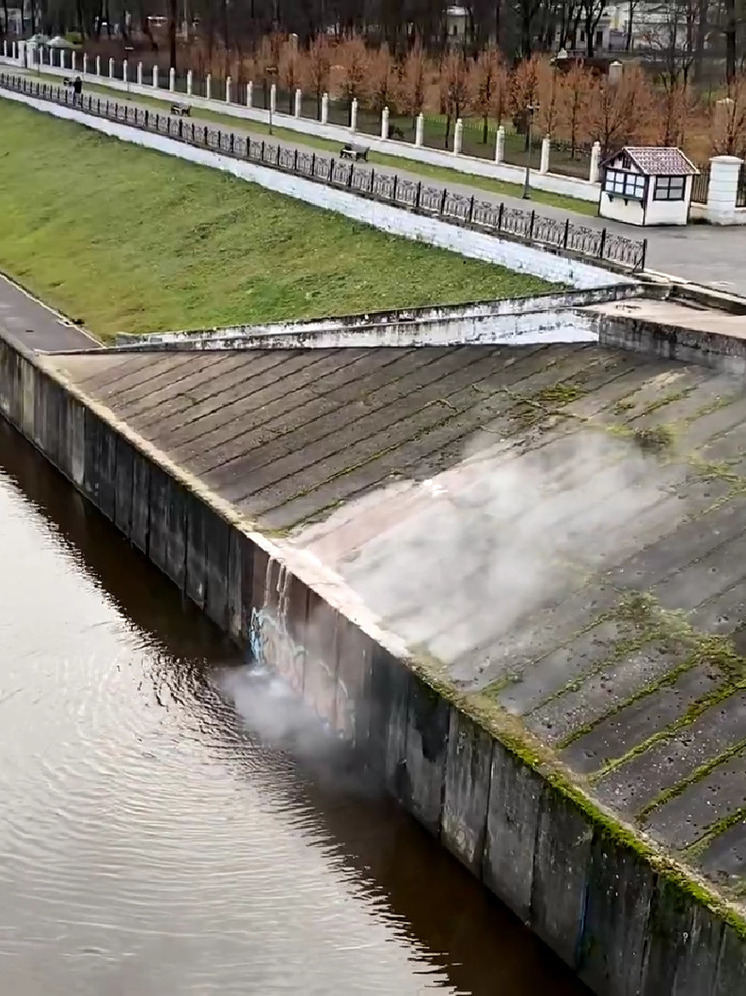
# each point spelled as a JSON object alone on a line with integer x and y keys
{"x": 459, "y": 559}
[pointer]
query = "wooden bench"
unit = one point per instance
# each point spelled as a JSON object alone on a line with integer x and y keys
{"x": 354, "y": 152}
{"x": 181, "y": 110}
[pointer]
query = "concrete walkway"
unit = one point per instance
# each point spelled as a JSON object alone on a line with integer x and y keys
{"x": 34, "y": 325}
{"x": 702, "y": 254}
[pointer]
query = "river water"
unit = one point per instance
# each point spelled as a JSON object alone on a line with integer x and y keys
{"x": 170, "y": 826}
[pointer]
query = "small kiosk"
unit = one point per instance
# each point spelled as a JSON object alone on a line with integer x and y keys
{"x": 647, "y": 185}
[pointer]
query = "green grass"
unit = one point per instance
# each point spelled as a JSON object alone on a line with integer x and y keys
{"x": 130, "y": 240}
{"x": 442, "y": 174}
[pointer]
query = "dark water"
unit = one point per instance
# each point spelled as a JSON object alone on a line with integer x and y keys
{"x": 153, "y": 842}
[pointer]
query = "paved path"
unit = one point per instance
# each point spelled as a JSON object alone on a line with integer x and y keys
{"x": 35, "y": 326}
{"x": 704, "y": 254}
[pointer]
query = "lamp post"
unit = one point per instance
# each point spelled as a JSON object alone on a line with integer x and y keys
{"x": 531, "y": 109}
{"x": 271, "y": 72}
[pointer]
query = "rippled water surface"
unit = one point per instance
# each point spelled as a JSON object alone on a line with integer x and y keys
{"x": 155, "y": 838}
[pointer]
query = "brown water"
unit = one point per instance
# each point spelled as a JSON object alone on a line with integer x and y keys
{"x": 155, "y": 840}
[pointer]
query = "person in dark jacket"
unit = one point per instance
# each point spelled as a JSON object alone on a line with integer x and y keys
{"x": 78, "y": 91}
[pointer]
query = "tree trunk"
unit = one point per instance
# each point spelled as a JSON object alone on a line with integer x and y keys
{"x": 630, "y": 17}
{"x": 172, "y": 14}
{"x": 730, "y": 40}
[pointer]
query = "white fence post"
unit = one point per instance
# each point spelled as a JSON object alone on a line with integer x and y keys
{"x": 172, "y": 79}
{"x": 546, "y": 145}
{"x": 155, "y": 77}
{"x": 419, "y": 130}
{"x": 208, "y": 86}
{"x": 458, "y": 137}
{"x": 500, "y": 145}
{"x": 325, "y": 108}
{"x": 85, "y": 64}
{"x": 722, "y": 190}
{"x": 385, "y": 123}
{"x": 139, "y": 74}
{"x": 190, "y": 82}
{"x": 98, "y": 65}
{"x": 595, "y": 170}
{"x": 125, "y": 71}
{"x": 273, "y": 98}
{"x": 298, "y": 102}
{"x": 228, "y": 89}
{"x": 111, "y": 69}
{"x": 250, "y": 93}
{"x": 353, "y": 115}
{"x": 63, "y": 59}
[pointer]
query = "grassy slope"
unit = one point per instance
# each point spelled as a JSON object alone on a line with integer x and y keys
{"x": 442, "y": 174}
{"x": 130, "y": 240}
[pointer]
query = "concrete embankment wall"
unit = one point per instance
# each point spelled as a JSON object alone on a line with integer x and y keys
{"x": 618, "y": 914}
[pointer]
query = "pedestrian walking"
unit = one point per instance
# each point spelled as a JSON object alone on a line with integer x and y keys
{"x": 78, "y": 91}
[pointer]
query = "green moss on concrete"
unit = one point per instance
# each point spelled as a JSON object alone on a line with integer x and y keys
{"x": 514, "y": 737}
{"x": 696, "y": 776}
{"x": 698, "y": 848}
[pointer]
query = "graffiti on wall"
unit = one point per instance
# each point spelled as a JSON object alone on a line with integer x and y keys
{"x": 272, "y": 645}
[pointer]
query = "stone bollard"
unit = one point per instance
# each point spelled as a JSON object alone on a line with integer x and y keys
{"x": 139, "y": 74}
{"x": 172, "y": 79}
{"x": 353, "y": 115}
{"x": 298, "y": 103}
{"x": 111, "y": 69}
{"x": 458, "y": 137}
{"x": 546, "y": 145}
{"x": 595, "y": 170}
{"x": 98, "y": 65}
{"x": 419, "y": 130}
{"x": 155, "y": 77}
{"x": 208, "y": 86}
{"x": 385, "y": 123}
{"x": 325, "y": 108}
{"x": 273, "y": 98}
{"x": 228, "y": 89}
{"x": 125, "y": 71}
{"x": 722, "y": 190}
{"x": 615, "y": 72}
{"x": 250, "y": 94}
{"x": 500, "y": 145}
{"x": 190, "y": 82}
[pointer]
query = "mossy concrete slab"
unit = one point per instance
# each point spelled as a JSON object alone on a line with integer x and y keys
{"x": 557, "y": 531}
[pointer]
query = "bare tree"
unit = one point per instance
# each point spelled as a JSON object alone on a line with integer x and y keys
{"x": 413, "y": 81}
{"x": 318, "y": 68}
{"x": 381, "y": 79}
{"x": 619, "y": 113}
{"x": 485, "y": 78}
{"x": 353, "y": 59}
{"x": 729, "y": 120}
{"x": 290, "y": 70}
{"x": 573, "y": 95}
{"x": 454, "y": 88}
{"x": 547, "y": 94}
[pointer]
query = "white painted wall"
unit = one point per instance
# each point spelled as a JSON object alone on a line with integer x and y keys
{"x": 475, "y": 245}
{"x": 552, "y": 182}
{"x": 618, "y": 208}
{"x": 541, "y": 328}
